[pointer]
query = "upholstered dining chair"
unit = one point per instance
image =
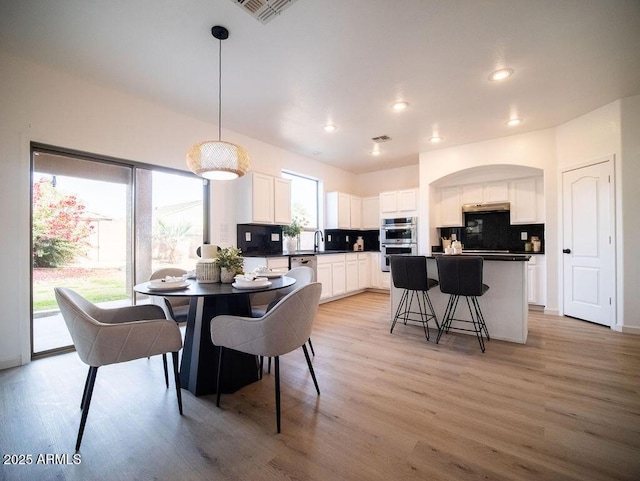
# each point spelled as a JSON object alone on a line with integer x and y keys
{"x": 261, "y": 302}
{"x": 283, "y": 329}
{"x": 175, "y": 308}
{"x": 108, "y": 336}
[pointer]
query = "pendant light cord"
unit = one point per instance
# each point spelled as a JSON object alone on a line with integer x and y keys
{"x": 220, "y": 91}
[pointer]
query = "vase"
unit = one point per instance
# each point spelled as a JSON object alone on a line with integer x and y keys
{"x": 227, "y": 276}
{"x": 292, "y": 244}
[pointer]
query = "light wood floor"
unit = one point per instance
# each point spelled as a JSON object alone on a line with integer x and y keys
{"x": 565, "y": 406}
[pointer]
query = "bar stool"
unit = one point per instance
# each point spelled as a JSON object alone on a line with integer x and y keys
{"x": 410, "y": 273}
{"x": 462, "y": 276}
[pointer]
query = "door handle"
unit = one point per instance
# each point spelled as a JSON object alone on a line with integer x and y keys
{"x": 566, "y": 251}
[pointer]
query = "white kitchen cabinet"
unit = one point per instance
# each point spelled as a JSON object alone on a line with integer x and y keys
{"x": 331, "y": 272}
{"x": 536, "y": 273}
{"x": 355, "y": 212}
{"x": 258, "y": 199}
{"x": 342, "y": 210}
{"x": 364, "y": 272}
{"x": 338, "y": 278}
{"x": 472, "y": 194}
{"x": 399, "y": 203}
{"x": 523, "y": 201}
{"x": 281, "y": 201}
{"x": 388, "y": 203}
{"x": 351, "y": 272}
{"x": 323, "y": 275}
{"x": 274, "y": 263}
{"x": 450, "y": 207}
{"x": 496, "y": 191}
{"x": 371, "y": 212}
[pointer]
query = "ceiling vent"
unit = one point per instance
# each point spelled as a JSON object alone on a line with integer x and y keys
{"x": 380, "y": 139}
{"x": 264, "y": 10}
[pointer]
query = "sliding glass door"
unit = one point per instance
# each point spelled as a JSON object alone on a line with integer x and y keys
{"x": 99, "y": 228}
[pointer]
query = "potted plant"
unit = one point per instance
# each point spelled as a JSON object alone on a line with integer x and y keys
{"x": 230, "y": 262}
{"x": 291, "y": 232}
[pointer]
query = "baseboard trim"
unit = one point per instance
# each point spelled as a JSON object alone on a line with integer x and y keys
{"x": 9, "y": 363}
{"x": 630, "y": 330}
{"x": 552, "y": 312}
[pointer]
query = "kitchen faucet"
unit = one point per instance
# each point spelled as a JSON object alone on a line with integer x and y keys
{"x": 316, "y": 243}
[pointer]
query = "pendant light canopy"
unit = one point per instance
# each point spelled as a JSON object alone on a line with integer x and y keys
{"x": 216, "y": 159}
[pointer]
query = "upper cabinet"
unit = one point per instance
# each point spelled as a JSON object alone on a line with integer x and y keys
{"x": 263, "y": 199}
{"x": 355, "y": 212}
{"x": 371, "y": 212}
{"x": 338, "y": 213}
{"x": 496, "y": 191}
{"x": 450, "y": 207}
{"x": 399, "y": 203}
{"x": 527, "y": 201}
{"x": 525, "y": 195}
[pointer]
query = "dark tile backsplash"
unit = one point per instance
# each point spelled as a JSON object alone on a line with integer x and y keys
{"x": 261, "y": 241}
{"x": 506, "y": 237}
{"x": 343, "y": 239}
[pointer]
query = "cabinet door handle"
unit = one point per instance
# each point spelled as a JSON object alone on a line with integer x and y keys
{"x": 566, "y": 251}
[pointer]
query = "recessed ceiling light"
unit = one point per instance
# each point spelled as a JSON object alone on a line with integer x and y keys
{"x": 375, "y": 153}
{"x": 316, "y": 152}
{"x": 435, "y": 139}
{"x": 501, "y": 74}
{"x": 398, "y": 106}
{"x": 514, "y": 122}
{"x": 330, "y": 128}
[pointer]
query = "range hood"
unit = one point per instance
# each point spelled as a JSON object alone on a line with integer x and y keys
{"x": 487, "y": 207}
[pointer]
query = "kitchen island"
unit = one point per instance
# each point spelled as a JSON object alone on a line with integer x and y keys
{"x": 504, "y": 306}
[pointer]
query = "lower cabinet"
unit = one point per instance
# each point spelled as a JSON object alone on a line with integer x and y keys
{"x": 274, "y": 263}
{"x": 352, "y": 272}
{"x": 364, "y": 273}
{"x": 342, "y": 274}
{"x": 536, "y": 274}
{"x": 323, "y": 275}
{"x": 331, "y": 273}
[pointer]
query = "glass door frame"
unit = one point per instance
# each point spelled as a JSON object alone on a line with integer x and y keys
{"x": 134, "y": 213}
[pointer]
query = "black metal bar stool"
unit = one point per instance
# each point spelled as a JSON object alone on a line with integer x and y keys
{"x": 462, "y": 276}
{"x": 410, "y": 273}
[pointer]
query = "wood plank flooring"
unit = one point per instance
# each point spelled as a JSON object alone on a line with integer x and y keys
{"x": 565, "y": 406}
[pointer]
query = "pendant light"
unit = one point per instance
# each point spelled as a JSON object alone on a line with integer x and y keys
{"x": 216, "y": 159}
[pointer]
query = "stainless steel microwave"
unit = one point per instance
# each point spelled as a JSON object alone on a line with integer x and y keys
{"x": 399, "y": 230}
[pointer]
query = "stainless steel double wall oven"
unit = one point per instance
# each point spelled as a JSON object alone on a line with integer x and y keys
{"x": 398, "y": 235}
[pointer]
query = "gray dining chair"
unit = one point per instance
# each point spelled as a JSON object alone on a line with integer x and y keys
{"x": 109, "y": 336}
{"x": 175, "y": 308}
{"x": 282, "y": 329}
{"x": 261, "y": 302}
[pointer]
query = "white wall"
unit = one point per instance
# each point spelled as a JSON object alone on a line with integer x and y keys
{"x": 629, "y": 220}
{"x": 48, "y": 106}
{"x": 399, "y": 178}
{"x": 525, "y": 152}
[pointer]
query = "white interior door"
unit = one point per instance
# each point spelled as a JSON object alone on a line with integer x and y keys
{"x": 587, "y": 243}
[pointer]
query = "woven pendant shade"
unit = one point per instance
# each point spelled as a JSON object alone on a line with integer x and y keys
{"x": 218, "y": 160}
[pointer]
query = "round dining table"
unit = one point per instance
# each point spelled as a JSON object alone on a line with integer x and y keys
{"x": 199, "y": 362}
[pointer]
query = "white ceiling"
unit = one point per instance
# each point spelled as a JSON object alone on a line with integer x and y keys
{"x": 346, "y": 61}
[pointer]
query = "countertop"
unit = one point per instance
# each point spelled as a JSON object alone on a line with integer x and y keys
{"x": 490, "y": 257}
{"x": 306, "y": 253}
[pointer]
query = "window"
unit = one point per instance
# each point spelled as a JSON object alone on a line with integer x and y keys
{"x": 305, "y": 194}
{"x": 100, "y": 226}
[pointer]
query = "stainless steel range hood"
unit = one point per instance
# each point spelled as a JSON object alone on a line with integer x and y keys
{"x": 487, "y": 207}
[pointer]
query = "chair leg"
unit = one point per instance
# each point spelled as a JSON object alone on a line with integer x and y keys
{"x": 166, "y": 371}
{"x": 261, "y": 367}
{"x": 269, "y": 367}
{"x": 91, "y": 380}
{"x": 433, "y": 311}
{"x": 403, "y": 300}
{"x": 86, "y": 385}
{"x": 311, "y": 347}
{"x": 477, "y": 327}
{"x": 176, "y": 377}
{"x": 448, "y": 315}
{"x": 313, "y": 374}
{"x": 218, "y": 377}
{"x": 277, "y": 376}
{"x": 422, "y": 310}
